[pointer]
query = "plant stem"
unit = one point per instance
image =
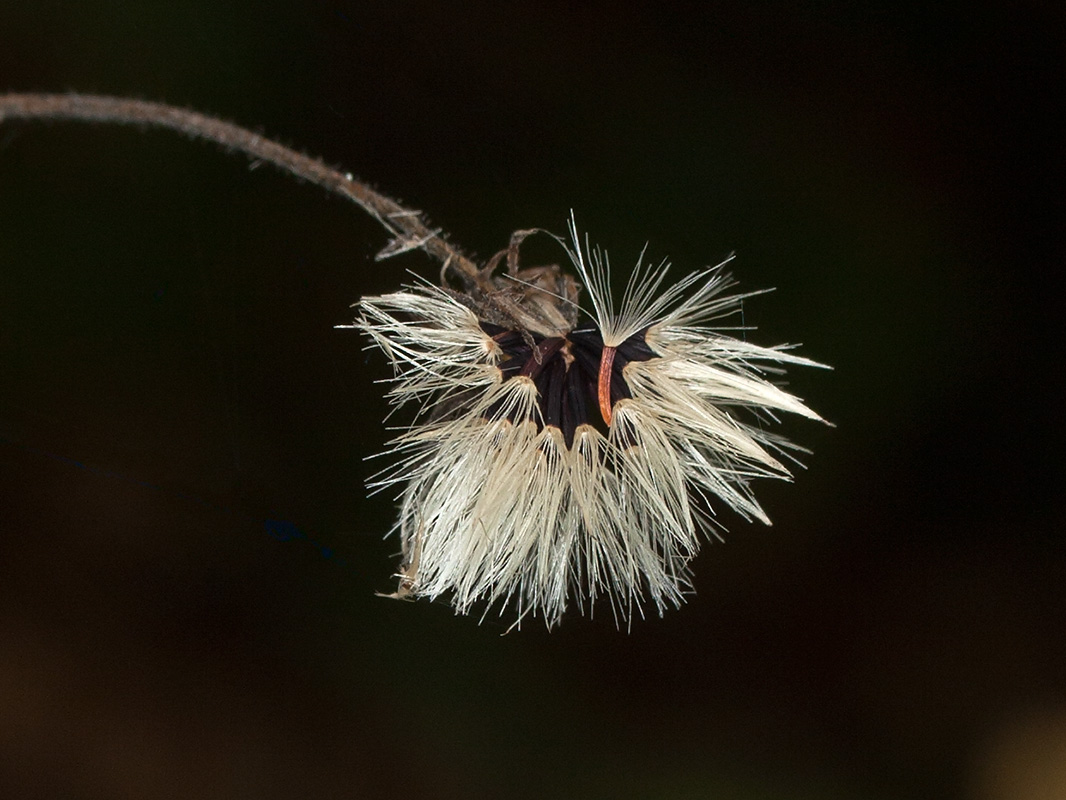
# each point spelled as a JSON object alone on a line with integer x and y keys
{"x": 408, "y": 228}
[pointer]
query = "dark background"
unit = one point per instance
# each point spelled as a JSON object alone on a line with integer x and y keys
{"x": 187, "y": 557}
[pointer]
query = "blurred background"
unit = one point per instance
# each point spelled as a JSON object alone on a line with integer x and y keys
{"x": 188, "y": 559}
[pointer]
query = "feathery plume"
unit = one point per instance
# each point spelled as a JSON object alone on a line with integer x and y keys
{"x": 555, "y": 464}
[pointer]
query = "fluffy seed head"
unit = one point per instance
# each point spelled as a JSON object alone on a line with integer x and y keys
{"x": 552, "y": 464}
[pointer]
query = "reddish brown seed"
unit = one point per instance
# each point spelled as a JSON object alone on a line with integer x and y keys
{"x": 606, "y": 362}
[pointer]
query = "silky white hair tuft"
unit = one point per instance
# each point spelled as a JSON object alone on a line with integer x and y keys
{"x": 500, "y": 507}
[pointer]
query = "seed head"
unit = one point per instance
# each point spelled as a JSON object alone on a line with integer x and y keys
{"x": 556, "y": 457}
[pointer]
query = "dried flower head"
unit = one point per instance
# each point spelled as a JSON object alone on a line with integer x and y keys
{"x": 552, "y": 458}
{"x": 555, "y": 459}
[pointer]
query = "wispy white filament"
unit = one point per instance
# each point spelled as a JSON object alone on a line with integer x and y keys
{"x": 497, "y": 511}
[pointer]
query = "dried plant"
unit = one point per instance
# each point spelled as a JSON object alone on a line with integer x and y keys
{"x": 558, "y": 453}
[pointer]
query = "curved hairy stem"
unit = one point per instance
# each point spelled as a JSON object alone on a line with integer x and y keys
{"x": 408, "y": 228}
